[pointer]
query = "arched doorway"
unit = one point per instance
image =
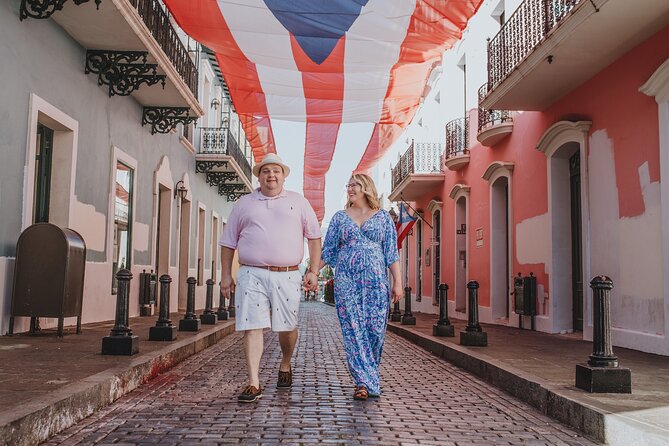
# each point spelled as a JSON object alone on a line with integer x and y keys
{"x": 460, "y": 193}
{"x": 565, "y": 147}
{"x": 498, "y": 174}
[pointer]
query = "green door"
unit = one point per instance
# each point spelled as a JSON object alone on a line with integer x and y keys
{"x": 43, "y": 173}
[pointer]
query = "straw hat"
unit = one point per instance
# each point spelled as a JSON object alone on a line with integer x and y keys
{"x": 270, "y": 158}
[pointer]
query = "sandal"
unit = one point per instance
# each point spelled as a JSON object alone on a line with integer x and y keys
{"x": 361, "y": 393}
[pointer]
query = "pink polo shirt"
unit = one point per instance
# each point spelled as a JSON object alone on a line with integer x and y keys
{"x": 270, "y": 231}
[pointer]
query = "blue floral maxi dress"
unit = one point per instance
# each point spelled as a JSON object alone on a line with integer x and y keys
{"x": 361, "y": 257}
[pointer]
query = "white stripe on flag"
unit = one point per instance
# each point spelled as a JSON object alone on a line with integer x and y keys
{"x": 374, "y": 40}
{"x": 266, "y": 43}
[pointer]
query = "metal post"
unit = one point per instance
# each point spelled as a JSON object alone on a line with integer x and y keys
{"x": 443, "y": 326}
{"x": 121, "y": 341}
{"x": 473, "y": 302}
{"x": 222, "y": 313}
{"x": 396, "y": 315}
{"x": 473, "y": 334}
{"x": 602, "y": 347}
{"x": 408, "y": 318}
{"x": 208, "y": 317}
{"x": 164, "y": 329}
{"x": 602, "y": 372}
{"x": 190, "y": 322}
{"x": 231, "y": 304}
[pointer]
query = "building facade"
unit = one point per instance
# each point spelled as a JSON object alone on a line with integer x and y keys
{"x": 117, "y": 126}
{"x": 555, "y": 125}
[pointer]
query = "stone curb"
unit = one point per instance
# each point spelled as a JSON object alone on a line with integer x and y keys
{"x": 38, "y": 419}
{"x": 553, "y": 401}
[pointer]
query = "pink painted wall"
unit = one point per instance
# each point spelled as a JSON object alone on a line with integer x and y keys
{"x": 610, "y": 100}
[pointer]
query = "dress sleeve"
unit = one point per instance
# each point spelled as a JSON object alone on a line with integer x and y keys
{"x": 331, "y": 243}
{"x": 390, "y": 251}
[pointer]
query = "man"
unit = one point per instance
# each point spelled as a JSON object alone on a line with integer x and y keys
{"x": 267, "y": 228}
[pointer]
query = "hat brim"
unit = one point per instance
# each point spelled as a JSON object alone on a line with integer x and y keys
{"x": 257, "y": 167}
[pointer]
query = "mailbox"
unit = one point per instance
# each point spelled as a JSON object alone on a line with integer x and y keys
{"x": 525, "y": 295}
{"x": 49, "y": 274}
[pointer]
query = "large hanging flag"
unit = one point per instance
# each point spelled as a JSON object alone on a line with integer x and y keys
{"x": 325, "y": 62}
{"x": 404, "y": 224}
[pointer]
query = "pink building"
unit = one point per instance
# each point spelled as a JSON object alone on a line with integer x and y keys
{"x": 566, "y": 189}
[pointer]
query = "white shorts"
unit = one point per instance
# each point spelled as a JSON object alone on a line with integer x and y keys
{"x": 267, "y": 299}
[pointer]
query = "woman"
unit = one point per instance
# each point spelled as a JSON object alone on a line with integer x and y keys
{"x": 361, "y": 244}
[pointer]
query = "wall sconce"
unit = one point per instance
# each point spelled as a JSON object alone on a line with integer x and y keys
{"x": 180, "y": 190}
{"x": 215, "y": 103}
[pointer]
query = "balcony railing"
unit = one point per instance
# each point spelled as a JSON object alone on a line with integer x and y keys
{"x": 524, "y": 30}
{"x": 419, "y": 158}
{"x": 489, "y": 118}
{"x": 219, "y": 141}
{"x": 457, "y": 138}
{"x": 158, "y": 22}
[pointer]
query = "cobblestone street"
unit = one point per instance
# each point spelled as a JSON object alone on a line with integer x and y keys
{"x": 425, "y": 401}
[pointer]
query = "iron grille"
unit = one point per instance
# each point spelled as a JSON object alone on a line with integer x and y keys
{"x": 524, "y": 30}
{"x": 419, "y": 158}
{"x": 219, "y": 140}
{"x": 457, "y": 137}
{"x": 158, "y": 22}
{"x": 489, "y": 118}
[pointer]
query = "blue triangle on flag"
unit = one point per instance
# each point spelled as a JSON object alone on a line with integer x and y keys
{"x": 316, "y": 24}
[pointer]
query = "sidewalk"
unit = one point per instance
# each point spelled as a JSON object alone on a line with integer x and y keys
{"x": 539, "y": 369}
{"x": 48, "y": 383}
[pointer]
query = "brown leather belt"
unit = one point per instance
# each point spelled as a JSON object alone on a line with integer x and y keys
{"x": 278, "y": 269}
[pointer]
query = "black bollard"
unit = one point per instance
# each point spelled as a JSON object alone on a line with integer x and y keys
{"x": 602, "y": 373}
{"x": 121, "y": 341}
{"x": 164, "y": 329}
{"x": 408, "y": 318}
{"x": 208, "y": 316}
{"x": 443, "y": 326}
{"x": 190, "y": 322}
{"x": 222, "y": 313}
{"x": 231, "y": 305}
{"x": 473, "y": 335}
{"x": 396, "y": 315}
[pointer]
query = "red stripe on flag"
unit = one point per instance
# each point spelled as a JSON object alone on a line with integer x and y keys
{"x": 204, "y": 22}
{"x": 324, "y": 93}
{"x": 434, "y": 26}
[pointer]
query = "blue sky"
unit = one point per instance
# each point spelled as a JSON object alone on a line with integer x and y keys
{"x": 351, "y": 143}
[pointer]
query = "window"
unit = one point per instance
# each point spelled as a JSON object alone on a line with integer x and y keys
{"x": 122, "y": 221}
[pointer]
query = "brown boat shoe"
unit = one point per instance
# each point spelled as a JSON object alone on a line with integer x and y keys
{"x": 285, "y": 379}
{"x": 250, "y": 394}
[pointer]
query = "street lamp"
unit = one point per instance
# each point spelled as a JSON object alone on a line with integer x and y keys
{"x": 180, "y": 190}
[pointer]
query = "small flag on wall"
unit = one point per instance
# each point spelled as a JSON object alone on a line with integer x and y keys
{"x": 404, "y": 225}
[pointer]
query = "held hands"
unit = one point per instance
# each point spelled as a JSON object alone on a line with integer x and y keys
{"x": 310, "y": 281}
{"x": 396, "y": 292}
{"x": 227, "y": 286}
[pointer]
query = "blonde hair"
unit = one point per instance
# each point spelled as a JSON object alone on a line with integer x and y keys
{"x": 368, "y": 188}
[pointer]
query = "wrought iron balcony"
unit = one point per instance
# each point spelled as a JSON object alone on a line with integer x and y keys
{"x": 133, "y": 48}
{"x": 421, "y": 162}
{"x": 158, "y": 21}
{"x": 548, "y": 48}
{"x": 524, "y": 30}
{"x": 456, "y": 152}
{"x": 494, "y": 125}
{"x": 223, "y": 163}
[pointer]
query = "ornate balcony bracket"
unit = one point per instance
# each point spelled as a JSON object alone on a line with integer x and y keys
{"x": 207, "y": 166}
{"x": 220, "y": 178}
{"x": 43, "y": 9}
{"x": 165, "y": 119}
{"x": 122, "y": 71}
{"x": 232, "y": 192}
